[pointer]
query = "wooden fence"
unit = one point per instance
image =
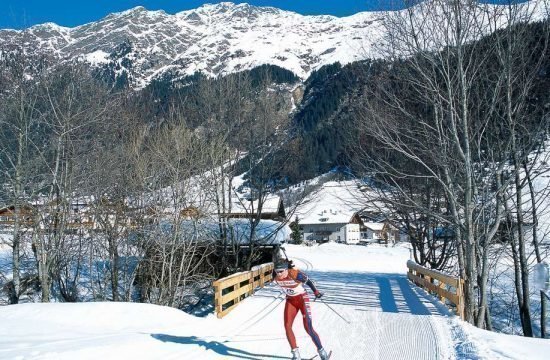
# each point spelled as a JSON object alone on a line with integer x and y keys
{"x": 444, "y": 286}
{"x": 231, "y": 290}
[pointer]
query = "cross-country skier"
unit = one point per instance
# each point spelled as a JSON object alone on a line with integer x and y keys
{"x": 291, "y": 282}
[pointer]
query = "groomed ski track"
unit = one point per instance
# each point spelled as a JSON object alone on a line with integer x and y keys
{"x": 389, "y": 318}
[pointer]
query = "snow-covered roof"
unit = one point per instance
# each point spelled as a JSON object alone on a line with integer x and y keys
{"x": 272, "y": 208}
{"x": 375, "y": 226}
{"x": 211, "y": 193}
{"x": 266, "y": 232}
{"x": 336, "y": 202}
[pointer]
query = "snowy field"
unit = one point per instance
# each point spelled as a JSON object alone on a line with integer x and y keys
{"x": 388, "y": 319}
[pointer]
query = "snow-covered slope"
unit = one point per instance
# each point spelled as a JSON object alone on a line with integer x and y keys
{"x": 215, "y": 39}
{"x": 388, "y": 319}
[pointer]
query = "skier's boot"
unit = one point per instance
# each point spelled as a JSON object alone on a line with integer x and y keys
{"x": 296, "y": 354}
{"x": 323, "y": 354}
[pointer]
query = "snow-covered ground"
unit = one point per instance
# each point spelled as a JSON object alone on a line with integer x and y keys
{"x": 388, "y": 319}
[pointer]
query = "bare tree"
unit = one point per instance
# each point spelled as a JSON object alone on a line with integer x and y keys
{"x": 520, "y": 57}
{"x": 266, "y": 132}
{"x": 178, "y": 238}
{"x": 20, "y": 147}
{"x": 437, "y": 109}
{"x": 224, "y": 109}
{"x": 71, "y": 106}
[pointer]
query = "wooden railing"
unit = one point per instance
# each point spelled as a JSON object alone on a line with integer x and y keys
{"x": 444, "y": 286}
{"x": 231, "y": 290}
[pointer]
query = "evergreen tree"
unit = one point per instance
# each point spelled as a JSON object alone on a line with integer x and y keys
{"x": 296, "y": 235}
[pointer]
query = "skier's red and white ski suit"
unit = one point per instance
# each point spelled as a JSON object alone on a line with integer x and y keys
{"x": 297, "y": 299}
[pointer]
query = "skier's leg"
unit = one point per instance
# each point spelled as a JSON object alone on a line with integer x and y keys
{"x": 289, "y": 315}
{"x": 305, "y": 308}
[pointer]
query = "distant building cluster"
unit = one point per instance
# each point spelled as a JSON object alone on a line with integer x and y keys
{"x": 340, "y": 212}
{"x": 335, "y": 214}
{"x": 360, "y": 227}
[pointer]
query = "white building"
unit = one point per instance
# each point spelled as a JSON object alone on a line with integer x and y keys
{"x": 332, "y": 225}
{"x": 331, "y": 213}
{"x": 380, "y": 232}
{"x": 345, "y": 212}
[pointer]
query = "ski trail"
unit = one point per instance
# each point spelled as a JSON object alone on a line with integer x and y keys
{"x": 308, "y": 264}
{"x": 259, "y": 316}
{"x": 389, "y": 320}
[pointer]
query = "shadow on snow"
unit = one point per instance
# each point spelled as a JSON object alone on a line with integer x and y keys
{"x": 216, "y": 346}
{"x": 376, "y": 292}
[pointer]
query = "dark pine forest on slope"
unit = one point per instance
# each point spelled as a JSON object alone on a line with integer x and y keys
{"x": 322, "y": 134}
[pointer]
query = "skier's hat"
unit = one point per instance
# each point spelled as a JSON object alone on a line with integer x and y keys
{"x": 281, "y": 265}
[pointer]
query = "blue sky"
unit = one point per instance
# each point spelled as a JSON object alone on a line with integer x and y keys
{"x": 18, "y": 14}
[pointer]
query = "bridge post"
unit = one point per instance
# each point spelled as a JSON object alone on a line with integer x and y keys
{"x": 460, "y": 292}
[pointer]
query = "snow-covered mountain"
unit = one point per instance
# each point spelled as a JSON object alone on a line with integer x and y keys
{"x": 214, "y": 39}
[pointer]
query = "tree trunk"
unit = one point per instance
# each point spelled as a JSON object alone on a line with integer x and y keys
{"x": 534, "y": 214}
{"x": 524, "y": 270}
{"x": 16, "y": 245}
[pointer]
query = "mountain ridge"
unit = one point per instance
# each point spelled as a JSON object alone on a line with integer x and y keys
{"x": 214, "y": 39}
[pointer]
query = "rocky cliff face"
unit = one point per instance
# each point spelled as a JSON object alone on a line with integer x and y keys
{"x": 213, "y": 39}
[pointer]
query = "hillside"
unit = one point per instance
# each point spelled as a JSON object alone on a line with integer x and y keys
{"x": 332, "y": 121}
{"x": 325, "y": 63}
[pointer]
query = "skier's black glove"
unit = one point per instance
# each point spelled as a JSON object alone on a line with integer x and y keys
{"x": 318, "y": 294}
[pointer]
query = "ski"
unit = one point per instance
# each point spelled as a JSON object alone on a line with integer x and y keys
{"x": 317, "y": 356}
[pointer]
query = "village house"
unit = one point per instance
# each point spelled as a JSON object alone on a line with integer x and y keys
{"x": 380, "y": 232}
{"x": 346, "y": 213}
{"x": 78, "y": 215}
{"x": 378, "y": 228}
{"x": 272, "y": 208}
{"x": 332, "y": 225}
{"x": 9, "y": 214}
{"x": 331, "y": 214}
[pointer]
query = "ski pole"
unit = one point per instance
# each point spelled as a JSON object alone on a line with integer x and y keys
{"x": 330, "y": 307}
{"x": 284, "y": 252}
{"x": 286, "y": 256}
